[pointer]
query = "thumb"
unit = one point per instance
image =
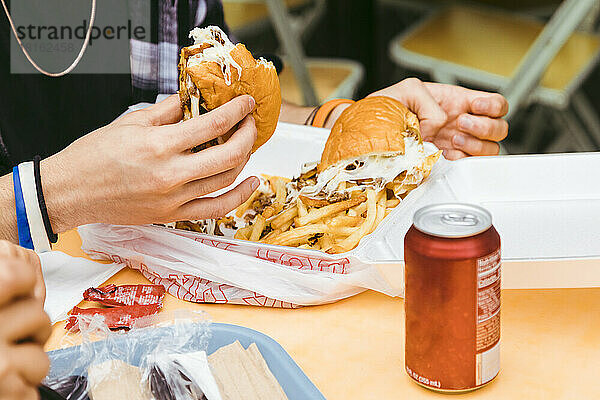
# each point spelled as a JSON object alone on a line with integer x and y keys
{"x": 418, "y": 99}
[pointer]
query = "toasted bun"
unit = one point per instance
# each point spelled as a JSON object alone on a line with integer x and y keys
{"x": 257, "y": 78}
{"x": 372, "y": 125}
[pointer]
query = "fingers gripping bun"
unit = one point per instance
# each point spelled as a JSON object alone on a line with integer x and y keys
{"x": 374, "y": 125}
{"x": 214, "y": 71}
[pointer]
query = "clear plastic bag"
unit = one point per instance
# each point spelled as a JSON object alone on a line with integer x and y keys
{"x": 142, "y": 363}
{"x": 207, "y": 269}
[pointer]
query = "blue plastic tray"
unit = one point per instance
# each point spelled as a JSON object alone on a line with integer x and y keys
{"x": 294, "y": 382}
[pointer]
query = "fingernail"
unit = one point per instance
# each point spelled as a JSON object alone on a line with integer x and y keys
{"x": 254, "y": 184}
{"x": 481, "y": 105}
{"x": 465, "y": 122}
{"x": 252, "y": 102}
{"x": 459, "y": 140}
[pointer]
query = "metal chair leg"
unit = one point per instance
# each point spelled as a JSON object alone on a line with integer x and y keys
{"x": 572, "y": 134}
{"x": 503, "y": 150}
{"x": 534, "y": 129}
{"x": 588, "y": 115}
{"x": 546, "y": 46}
{"x": 443, "y": 77}
{"x": 562, "y": 144}
{"x": 293, "y": 48}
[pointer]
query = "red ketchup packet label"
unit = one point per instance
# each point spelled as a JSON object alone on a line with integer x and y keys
{"x": 122, "y": 317}
{"x": 126, "y": 295}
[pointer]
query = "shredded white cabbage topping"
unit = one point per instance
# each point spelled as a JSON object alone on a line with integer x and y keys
{"x": 379, "y": 168}
{"x": 219, "y": 52}
{"x": 267, "y": 64}
{"x": 308, "y": 166}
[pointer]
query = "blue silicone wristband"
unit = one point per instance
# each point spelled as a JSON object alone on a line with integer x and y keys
{"x": 22, "y": 223}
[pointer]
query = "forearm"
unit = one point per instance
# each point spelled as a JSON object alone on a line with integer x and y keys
{"x": 8, "y": 218}
{"x": 61, "y": 201}
{"x": 64, "y": 201}
{"x": 295, "y": 114}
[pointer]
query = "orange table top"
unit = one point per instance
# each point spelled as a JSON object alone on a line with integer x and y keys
{"x": 355, "y": 348}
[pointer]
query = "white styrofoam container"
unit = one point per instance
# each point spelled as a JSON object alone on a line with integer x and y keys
{"x": 545, "y": 207}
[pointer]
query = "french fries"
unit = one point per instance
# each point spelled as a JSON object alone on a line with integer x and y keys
{"x": 359, "y": 209}
{"x": 344, "y": 220}
{"x": 257, "y": 228}
{"x": 320, "y": 213}
{"x": 244, "y": 233}
{"x": 392, "y": 203}
{"x": 278, "y": 186}
{"x": 270, "y": 235}
{"x": 302, "y": 211}
{"x": 326, "y": 242}
{"x": 333, "y": 225}
{"x": 316, "y": 224}
{"x": 351, "y": 241}
{"x": 310, "y": 202}
{"x": 284, "y": 217}
{"x": 287, "y": 225}
{"x": 268, "y": 212}
{"x": 381, "y": 207}
{"x": 298, "y": 236}
{"x": 336, "y": 249}
{"x": 342, "y": 230}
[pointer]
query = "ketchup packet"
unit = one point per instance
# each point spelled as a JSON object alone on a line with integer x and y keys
{"x": 126, "y": 295}
{"x": 122, "y": 317}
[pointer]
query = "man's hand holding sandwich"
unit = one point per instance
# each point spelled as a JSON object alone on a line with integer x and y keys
{"x": 461, "y": 122}
{"x": 139, "y": 169}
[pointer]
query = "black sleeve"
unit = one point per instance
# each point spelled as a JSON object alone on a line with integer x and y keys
{"x": 215, "y": 15}
{"x": 186, "y": 18}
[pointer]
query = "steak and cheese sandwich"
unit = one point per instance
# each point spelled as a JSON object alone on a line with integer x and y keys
{"x": 375, "y": 143}
{"x": 214, "y": 70}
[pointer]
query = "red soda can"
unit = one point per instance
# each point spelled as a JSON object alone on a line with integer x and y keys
{"x": 452, "y": 298}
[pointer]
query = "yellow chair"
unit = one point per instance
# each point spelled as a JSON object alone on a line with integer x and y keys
{"x": 244, "y": 13}
{"x": 304, "y": 81}
{"x": 332, "y": 78}
{"x": 492, "y": 49}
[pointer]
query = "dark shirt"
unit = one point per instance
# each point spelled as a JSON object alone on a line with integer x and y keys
{"x": 40, "y": 115}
